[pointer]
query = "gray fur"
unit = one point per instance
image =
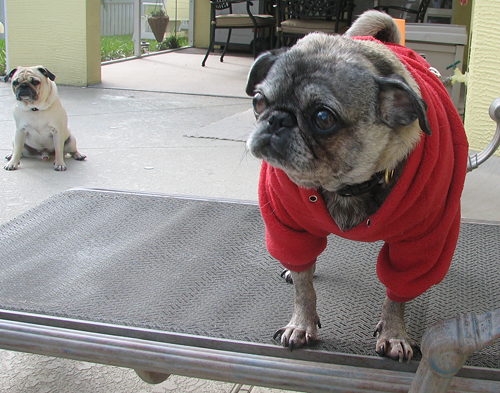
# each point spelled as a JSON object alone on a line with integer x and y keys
{"x": 376, "y": 24}
{"x": 376, "y": 103}
{"x": 333, "y": 112}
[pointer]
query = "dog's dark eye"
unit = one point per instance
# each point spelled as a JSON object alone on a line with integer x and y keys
{"x": 259, "y": 103}
{"x": 324, "y": 120}
{"x": 34, "y": 82}
{"x": 15, "y": 83}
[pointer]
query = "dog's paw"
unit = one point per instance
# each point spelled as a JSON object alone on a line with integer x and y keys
{"x": 78, "y": 156}
{"x": 59, "y": 167}
{"x": 11, "y": 166}
{"x": 296, "y": 336}
{"x": 394, "y": 343}
{"x": 287, "y": 275}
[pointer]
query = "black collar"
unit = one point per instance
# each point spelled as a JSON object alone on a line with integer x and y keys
{"x": 359, "y": 189}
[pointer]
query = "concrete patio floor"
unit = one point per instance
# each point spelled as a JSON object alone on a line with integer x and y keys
{"x": 133, "y": 129}
{"x": 132, "y": 126}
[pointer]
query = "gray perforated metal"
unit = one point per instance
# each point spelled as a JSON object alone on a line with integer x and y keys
{"x": 201, "y": 267}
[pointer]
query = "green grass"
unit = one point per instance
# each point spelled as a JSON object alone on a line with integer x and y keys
{"x": 121, "y": 46}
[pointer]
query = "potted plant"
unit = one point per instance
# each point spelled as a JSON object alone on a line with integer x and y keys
{"x": 171, "y": 42}
{"x": 158, "y": 21}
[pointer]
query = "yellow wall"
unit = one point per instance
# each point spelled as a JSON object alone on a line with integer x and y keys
{"x": 93, "y": 48}
{"x": 484, "y": 72}
{"x": 201, "y": 23}
{"x": 62, "y": 35}
{"x": 182, "y": 9}
{"x": 178, "y": 11}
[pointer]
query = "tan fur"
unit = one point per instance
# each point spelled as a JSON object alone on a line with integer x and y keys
{"x": 41, "y": 121}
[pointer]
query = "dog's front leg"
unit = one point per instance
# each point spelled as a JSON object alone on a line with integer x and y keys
{"x": 17, "y": 150}
{"x": 303, "y": 327}
{"x": 393, "y": 341}
{"x": 59, "y": 164}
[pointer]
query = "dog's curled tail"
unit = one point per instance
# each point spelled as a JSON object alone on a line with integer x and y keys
{"x": 375, "y": 24}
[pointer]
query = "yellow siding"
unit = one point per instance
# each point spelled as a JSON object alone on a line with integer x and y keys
{"x": 201, "y": 23}
{"x": 62, "y": 35}
{"x": 484, "y": 72}
{"x": 182, "y": 9}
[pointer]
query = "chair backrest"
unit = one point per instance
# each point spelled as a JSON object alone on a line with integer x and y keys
{"x": 300, "y": 9}
{"x": 220, "y": 4}
{"x": 422, "y": 9}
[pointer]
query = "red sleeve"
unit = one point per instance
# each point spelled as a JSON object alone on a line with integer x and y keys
{"x": 410, "y": 268}
{"x": 286, "y": 240}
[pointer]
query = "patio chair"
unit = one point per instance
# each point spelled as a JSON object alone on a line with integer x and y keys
{"x": 296, "y": 18}
{"x": 230, "y": 21}
{"x": 418, "y": 12}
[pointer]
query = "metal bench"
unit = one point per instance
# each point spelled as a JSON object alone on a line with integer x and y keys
{"x": 174, "y": 285}
{"x": 181, "y": 285}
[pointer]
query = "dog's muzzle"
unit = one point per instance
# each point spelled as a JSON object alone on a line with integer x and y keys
{"x": 281, "y": 121}
{"x": 279, "y": 127}
{"x": 26, "y": 92}
{"x": 273, "y": 141}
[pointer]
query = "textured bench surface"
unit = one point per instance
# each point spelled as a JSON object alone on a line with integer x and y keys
{"x": 200, "y": 267}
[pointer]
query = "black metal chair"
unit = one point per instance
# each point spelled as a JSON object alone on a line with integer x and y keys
{"x": 418, "y": 12}
{"x": 231, "y": 21}
{"x": 297, "y": 18}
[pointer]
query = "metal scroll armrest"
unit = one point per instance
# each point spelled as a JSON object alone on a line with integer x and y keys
{"x": 477, "y": 159}
{"x": 446, "y": 346}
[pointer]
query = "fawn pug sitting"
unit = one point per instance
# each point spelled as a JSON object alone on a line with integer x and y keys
{"x": 358, "y": 139}
{"x": 41, "y": 121}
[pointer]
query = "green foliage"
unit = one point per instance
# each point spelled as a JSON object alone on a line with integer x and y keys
{"x": 172, "y": 42}
{"x": 122, "y": 46}
{"x": 159, "y": 12}
{"x": 114, "y": 47}
{"x": 3, "y": 57}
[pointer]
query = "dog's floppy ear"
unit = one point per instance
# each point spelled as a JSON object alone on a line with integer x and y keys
{"x": 9, "y": 75}
{"x": 261, "y": 67}
{"x": 47, "y": 73}
{"x": 400, "y": 105}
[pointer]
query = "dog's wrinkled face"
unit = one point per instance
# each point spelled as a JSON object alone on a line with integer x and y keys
{"x": 30, "y": 83}
{"x": 333, "y": 111}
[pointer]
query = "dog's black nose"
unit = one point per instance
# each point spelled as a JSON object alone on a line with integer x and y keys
{"x": 282, "y": 119}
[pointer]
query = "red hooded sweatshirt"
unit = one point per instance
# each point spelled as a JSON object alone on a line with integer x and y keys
{"x": 419, "y": 221}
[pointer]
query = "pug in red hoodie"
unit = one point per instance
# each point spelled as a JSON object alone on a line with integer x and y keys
{"x": 359, "y": 139}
